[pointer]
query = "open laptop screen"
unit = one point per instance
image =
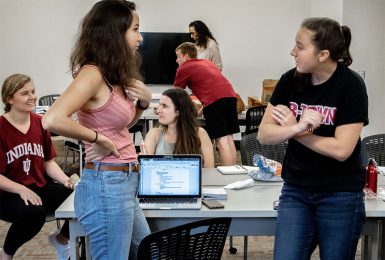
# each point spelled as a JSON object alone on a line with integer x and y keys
{"x": 170, "y": 176}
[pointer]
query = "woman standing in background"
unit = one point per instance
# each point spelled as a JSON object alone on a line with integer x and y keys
{"x": 206, "y": 44}
{"x": 109, "y": 98}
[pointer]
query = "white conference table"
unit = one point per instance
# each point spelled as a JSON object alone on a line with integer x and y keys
{"x": 251, "y": 210}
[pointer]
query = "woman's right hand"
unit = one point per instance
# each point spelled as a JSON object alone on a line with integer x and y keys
{"x": 102, "y": 148}
{"x": 28, "y": 195}
{"x": 140, "y": 91}
{"x": 310, "y": 120}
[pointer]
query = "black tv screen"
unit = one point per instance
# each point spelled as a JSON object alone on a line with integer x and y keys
{"x": 158, "y": 53}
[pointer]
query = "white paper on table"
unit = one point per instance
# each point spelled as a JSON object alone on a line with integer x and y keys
{"x": 240, "y": 184}
{"x": 232, "y": 169}
{"x": 251, "y": 168}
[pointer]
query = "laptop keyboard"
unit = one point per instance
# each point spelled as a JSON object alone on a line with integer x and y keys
{"x": 168, "y": 200}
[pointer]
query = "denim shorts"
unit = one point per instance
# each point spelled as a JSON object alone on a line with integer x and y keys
{"x": 107, "y": 208}
{"x": 307, "y": 218}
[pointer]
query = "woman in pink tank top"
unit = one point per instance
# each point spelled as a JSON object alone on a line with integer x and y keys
{"x": 109, "y": 97}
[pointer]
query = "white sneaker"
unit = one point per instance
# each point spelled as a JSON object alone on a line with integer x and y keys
{"x": 62, "y": 251}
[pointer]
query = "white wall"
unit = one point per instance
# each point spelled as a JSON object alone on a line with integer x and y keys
{"x": 329, "y": 8}
{"x": 36, "y": 39}
{"x": 368, "y": 51}
{"x": 255, "y": 38}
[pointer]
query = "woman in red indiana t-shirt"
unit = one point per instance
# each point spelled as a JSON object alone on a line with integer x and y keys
{"x": 27, "y": 168}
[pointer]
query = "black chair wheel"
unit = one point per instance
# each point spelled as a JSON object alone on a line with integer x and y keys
{"x": 232, "y": 250}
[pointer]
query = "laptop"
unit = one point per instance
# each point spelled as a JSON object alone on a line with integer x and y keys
{"x": 170, "y": 181}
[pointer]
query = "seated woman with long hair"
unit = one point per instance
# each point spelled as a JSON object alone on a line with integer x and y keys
{"x": 32, "y": 185}
{"x": 179, "y": 132}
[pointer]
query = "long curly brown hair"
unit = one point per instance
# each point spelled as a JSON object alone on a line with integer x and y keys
{"x": 101, "y": 41}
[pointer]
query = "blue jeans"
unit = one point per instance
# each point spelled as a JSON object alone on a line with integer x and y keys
{"x": 107, "y": 208}
{"x": 333, "y": 220}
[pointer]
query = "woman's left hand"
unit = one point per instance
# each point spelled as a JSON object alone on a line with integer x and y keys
{"x": 102, "y": 148}
{"x": 68, "y": 184}
{"x": 140, "y": 91}
{"x": 283, "y": 115}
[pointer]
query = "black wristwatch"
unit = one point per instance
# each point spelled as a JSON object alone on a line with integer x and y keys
{"x": 139, "y": 105}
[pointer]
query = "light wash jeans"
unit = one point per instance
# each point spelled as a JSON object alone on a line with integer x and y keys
{"x": 333, "y": 220}
{"x": 107, "y": 208}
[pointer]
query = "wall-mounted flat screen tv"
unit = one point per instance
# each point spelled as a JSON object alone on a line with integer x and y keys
{"x": 158, "y": 53}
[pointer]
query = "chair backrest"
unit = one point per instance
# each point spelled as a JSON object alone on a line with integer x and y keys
{"x": 373, "y": 146}
{"x": 250, "y": 146}
{"x": 48, "y": 100}
{"x": 75, "y": 146}
{"x": 133, "y": 130}
{"x": 202, "y": 239}
{"x": 253, "y": 118}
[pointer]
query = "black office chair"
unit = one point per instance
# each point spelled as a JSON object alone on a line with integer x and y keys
{"x": 48, "y": 100}
{"x": 134, "y": 130}
{"x": 253, "y": 118}
{"x": 202, "y": 239}
{"x": 373, "y": 146}
{"x": 250, "y": 146}
{"x": 76, "y": 147}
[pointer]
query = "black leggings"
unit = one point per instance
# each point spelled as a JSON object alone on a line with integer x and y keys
{"x": 27, "y": 221}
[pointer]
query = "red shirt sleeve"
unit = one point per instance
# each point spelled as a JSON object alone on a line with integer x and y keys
{"x": 180, "y": 78}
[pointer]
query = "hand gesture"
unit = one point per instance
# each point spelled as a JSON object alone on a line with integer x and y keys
{"x": 69, "y": 184}
{"x": 28, "y": 195}
{"x": 283, "y": 115}
{"x": 101, "y": 149}
{"x": 310, "y": 120}
{"x": 140, "y": 91}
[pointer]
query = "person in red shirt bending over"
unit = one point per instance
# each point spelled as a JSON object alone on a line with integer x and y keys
{"x": 215, "y": 93}
{"x": 27, "y": 168}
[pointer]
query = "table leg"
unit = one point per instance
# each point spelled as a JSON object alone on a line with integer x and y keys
{"x": 245, "y": 247}
{"x": 370, "y": 244}
{"x": 382, "y": 239}
{"x": 76, "y": 231}
{"x": 365, "y": 247}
